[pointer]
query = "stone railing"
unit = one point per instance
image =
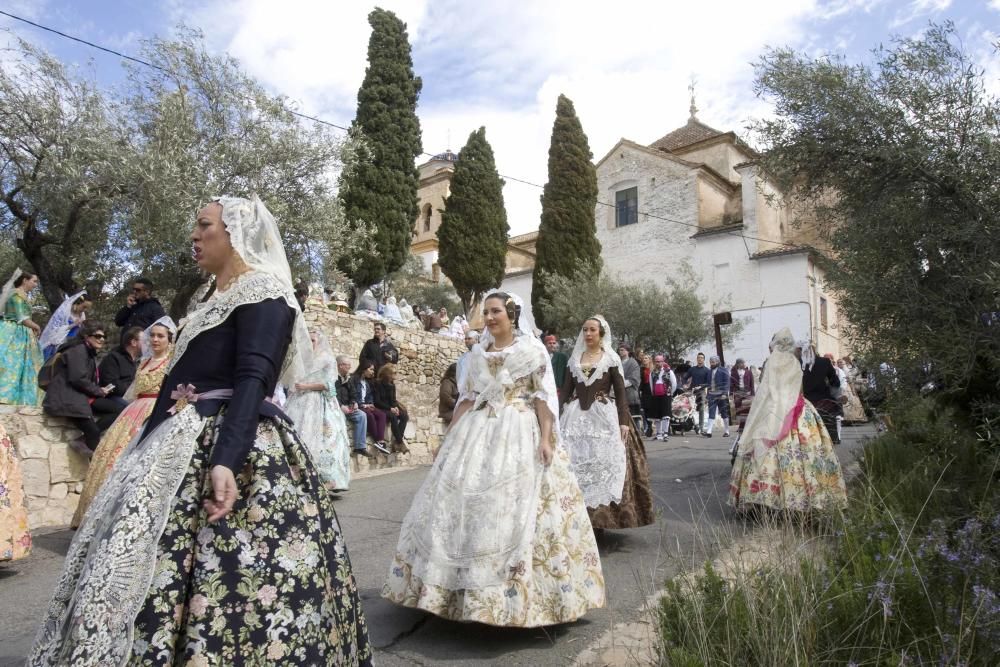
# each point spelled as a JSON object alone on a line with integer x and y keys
{"x": 54, "y": 473}
{"x": 423, "y": 359}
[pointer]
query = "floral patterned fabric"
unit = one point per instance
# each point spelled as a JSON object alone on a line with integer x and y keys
{"x": 129, "y": 422}
{"x": 148, "y": 581}
{"x": 534, "y": 560}
{"x": 271, "y": 585}
{"x": 20, "y": 355}
{"x": 799, "y": 472}
{"x": 15, "y": 540}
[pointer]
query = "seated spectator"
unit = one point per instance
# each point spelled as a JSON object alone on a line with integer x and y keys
{"x": 379, "y": 349}
{"x": 74, "y": 391}
{"x": 64, "y": 323}
{"x": 119, "y": 366}
{"x": 395, "y": 413}
{"x": 364, "y": 377}
{"x": 433, "y": 322}
{"x": 141, "y": 308}
{"x": 448, "y": 394}
{"x": 367, "y": 302}
{"x": 348, "y": 396}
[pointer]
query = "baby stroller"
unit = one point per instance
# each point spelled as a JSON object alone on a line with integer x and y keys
{"x": 683, "y": 413}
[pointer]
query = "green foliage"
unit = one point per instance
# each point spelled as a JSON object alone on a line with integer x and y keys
{"x": 898, "y": 161}
{"x": 567, "y": 236}
{"x": 908, "y": 574}
{"x": 99, "y": 185}
{"x": 473, "y": 234}
{"x": 670, "y": 319}
{"x": 380, "y": 191}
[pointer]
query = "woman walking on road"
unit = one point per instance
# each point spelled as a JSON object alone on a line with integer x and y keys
{"x": 785, "y": 458}
{"x": 604, "y": 447}
{"x": 498, "y": 533}
{"x": 213, "y": 542}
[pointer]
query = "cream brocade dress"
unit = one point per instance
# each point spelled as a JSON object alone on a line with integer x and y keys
{"x": 493, "y": 536}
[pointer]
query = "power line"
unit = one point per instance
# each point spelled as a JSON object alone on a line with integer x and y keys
{"x": 321, "y": 121}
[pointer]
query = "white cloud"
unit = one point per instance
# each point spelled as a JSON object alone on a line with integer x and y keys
{"x": 626, "y": 65}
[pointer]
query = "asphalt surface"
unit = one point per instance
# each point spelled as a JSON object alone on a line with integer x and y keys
{"x": 689, "y": 476}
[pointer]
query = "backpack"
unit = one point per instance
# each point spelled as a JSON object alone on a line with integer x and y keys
{"x": 48, "y": 371}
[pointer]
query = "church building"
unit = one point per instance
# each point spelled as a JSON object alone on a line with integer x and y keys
{"x": 696, "y": 196}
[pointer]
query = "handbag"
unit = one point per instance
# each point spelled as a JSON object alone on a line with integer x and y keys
{"x": 659, "y": 389}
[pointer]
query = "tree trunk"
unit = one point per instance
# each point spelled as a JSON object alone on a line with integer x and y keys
{"x": 56, "y": 280}
{"x": 182, "y": 299}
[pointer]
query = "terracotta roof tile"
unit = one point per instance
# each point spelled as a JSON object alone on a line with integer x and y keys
{"x": 691, "y": 133}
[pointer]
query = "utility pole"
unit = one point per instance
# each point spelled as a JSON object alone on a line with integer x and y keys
{"x": 720, "y": 319}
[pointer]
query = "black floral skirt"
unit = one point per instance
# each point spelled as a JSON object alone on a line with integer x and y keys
{"x": 271, "y": 584}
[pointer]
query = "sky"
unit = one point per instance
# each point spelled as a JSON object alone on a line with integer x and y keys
{"x": 627, "y": 65}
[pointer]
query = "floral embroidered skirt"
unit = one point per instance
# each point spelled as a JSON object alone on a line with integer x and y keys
{"x": 148, "y": 581}
{"x": 555, "y": 575}
{"x": 636, "y": 506}
{"x": 800, "y": 472}
{"x": 15, "y": 540}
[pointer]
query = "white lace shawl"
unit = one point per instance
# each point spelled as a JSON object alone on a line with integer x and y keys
{"x": 61, "y": 322}
{"x": 777, "y": 393}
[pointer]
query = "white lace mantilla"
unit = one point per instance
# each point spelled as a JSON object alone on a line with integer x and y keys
{"x": 110, "y": 564}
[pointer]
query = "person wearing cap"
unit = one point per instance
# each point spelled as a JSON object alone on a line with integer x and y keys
{"x": 558, "y": 359}
{"x": 718, "y": 395}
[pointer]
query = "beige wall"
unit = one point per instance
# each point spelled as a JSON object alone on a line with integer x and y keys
{"x": 722, "y": 157}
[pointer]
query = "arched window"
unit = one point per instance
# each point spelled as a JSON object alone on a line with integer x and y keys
{"x": 427, "y": 217}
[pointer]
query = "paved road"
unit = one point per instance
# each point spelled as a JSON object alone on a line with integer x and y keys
{"x": 689, "y": 478}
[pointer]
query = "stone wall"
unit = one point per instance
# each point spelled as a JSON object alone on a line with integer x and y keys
{"x": 53, "y": 473}
{"x": 423, "y": 359}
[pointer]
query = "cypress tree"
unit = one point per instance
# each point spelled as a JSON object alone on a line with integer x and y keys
{"x": 380, "y": 189}
{"x": 472, "y": 237}
{"x": 567, "y": 236}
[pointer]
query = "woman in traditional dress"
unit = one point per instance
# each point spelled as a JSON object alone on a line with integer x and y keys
{"x": 20, "y": 355}
{"x": 392, "y": 312}
{"x": 498, "y": 533}
{"x": 785, "y": 458}
{"x": 319, "y": 421}
{"x": 604, "y": 446}
{"x": 854, "y": 412}
{"x": 141, "y": 395}
{"x": 65, "y": 322}
{"x": 213, "y": 541}
{"x": 15, "y": 540}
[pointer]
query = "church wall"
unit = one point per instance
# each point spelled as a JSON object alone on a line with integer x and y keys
{"x": 721, "y": 157}
{"x": 432, "y": 194}
{"x": 712, "y": 204}
{"x": 770, "y": 293}
{"x": 652, "y": 248}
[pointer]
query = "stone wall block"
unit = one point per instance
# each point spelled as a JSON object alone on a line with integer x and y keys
{"x": 36, "y": 477}
{"x": 52, "y": 433}
{"x": 32, "y": 447}
{"x": 58, "y": 491}
{"x": 65, "y": 465}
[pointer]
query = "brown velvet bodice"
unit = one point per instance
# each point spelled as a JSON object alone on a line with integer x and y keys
{"x": 599, "y": 390}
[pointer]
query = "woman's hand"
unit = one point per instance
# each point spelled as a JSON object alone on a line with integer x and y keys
{"x": 300, "y": 386}
{"x": 545, "y": 451}
{"x": 224, "y": 492}
{"x": 624, "y": 431}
